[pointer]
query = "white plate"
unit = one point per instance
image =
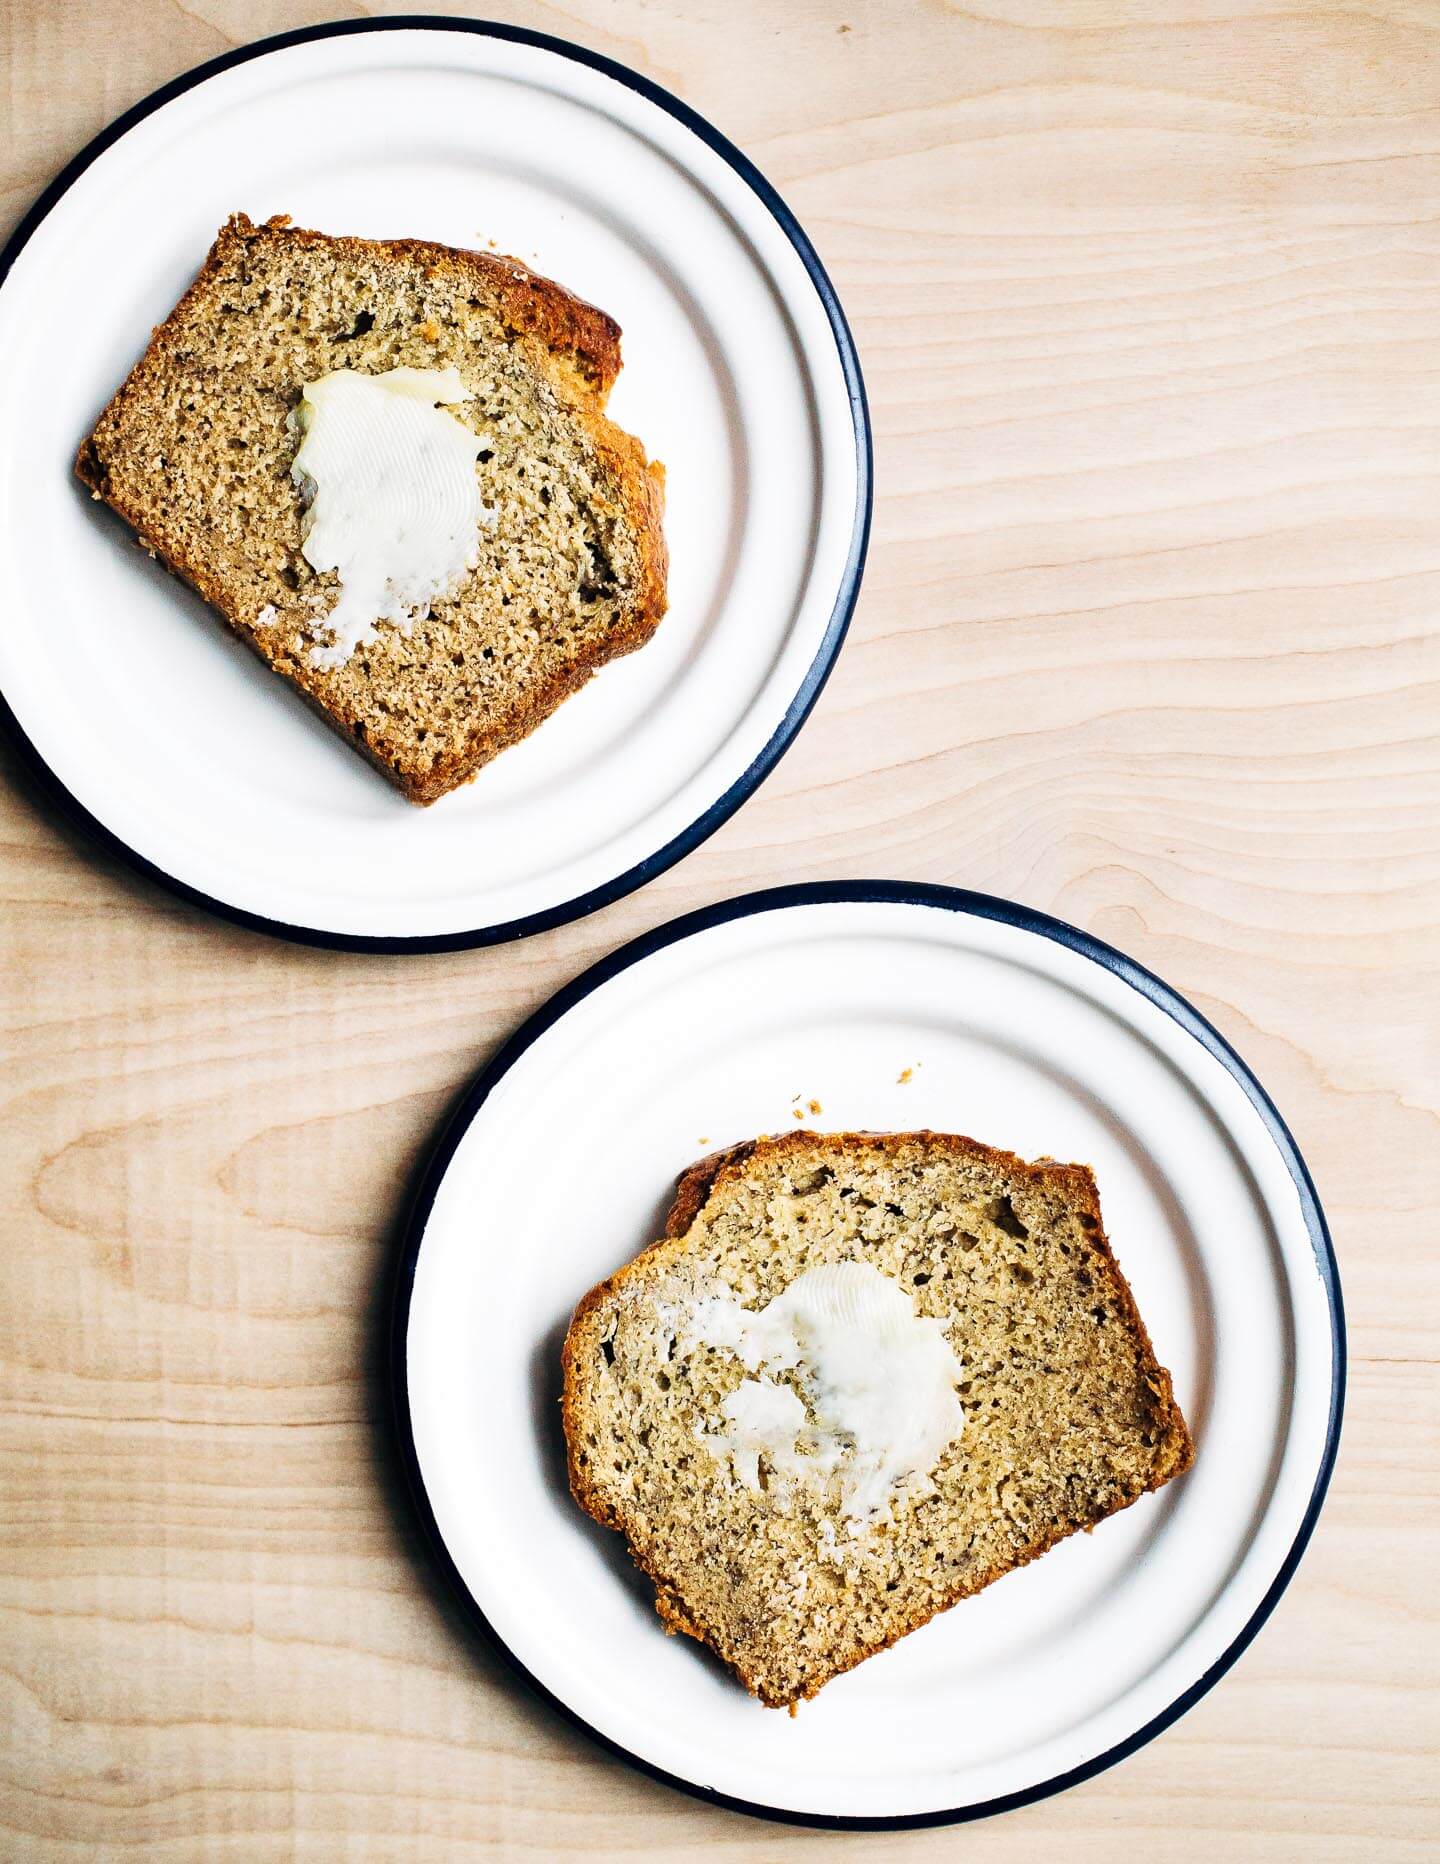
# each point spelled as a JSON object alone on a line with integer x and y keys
{"x": 155, "y": 726}
{"x": 1017, "y": 1030}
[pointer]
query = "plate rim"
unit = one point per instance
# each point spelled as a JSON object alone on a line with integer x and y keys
{"x": 58, "y": 793}
{"x": 1156, "y": 991}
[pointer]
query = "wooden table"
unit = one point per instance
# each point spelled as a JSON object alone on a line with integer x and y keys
{"x": 1148, "y": 300}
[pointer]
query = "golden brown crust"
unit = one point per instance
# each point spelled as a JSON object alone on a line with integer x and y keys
{"x": 530, "y": 303}
{"x": 695, "y": 1184}
{"x": 573, "y": 343}
{"x": 693, "y": 1190}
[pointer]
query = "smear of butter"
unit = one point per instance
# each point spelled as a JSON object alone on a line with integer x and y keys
{"x": 392, "y": 499}
{"x": 764, "y": 1419}
{"x": 878, "y": 1382}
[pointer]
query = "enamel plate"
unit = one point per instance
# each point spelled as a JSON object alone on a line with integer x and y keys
{"x": 149, "y": 721}
{"x": 891, "y": 1008}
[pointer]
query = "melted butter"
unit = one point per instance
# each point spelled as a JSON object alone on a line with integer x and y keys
{"x": 392, "y": 499}
{"x": 879, "y": 1403}
{"x": 764, "y": 1419}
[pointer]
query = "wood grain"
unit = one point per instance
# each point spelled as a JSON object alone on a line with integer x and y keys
{"x": 1146, "y": 293}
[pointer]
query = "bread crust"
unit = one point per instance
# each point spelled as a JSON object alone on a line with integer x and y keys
{"x": 692, "y": 1192}
{"x": 572, "y": 344}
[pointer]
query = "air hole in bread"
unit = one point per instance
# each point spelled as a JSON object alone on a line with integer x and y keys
{"x": 1002, "y": 1215}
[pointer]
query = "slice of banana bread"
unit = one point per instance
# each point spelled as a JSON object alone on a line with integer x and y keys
{"x": 195, "y": 452}
{"x": 759, "y": 1401}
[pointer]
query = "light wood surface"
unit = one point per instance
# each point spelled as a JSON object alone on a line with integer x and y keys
{"x": 1147, "y": 297}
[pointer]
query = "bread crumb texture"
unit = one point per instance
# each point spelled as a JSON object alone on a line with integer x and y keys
{"x": 1068, "y": 1417}
{"x": 196, "y": 448}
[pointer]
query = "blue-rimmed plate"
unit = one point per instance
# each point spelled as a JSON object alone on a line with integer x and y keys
{"x": 157, "y": 729}
{"x": 884, "y": 1007}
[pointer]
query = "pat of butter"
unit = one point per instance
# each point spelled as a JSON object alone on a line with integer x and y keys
{"x": 879, "y": 1404}
{"x": 392, "y": 499}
